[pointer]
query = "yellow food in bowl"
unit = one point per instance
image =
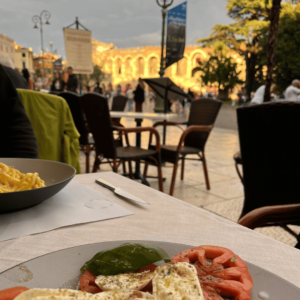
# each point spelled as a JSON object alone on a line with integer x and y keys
{"x": 11, "y": 180}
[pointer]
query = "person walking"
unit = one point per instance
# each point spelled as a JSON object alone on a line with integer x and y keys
{"x": 130, "y": 95}
{"x": 139, "y": 96}
{"x": 72, "y": 83}
{"x": 28, "y": 79}
{"x": 58, "y": 84}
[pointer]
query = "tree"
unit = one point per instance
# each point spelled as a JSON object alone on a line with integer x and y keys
{"x": 221, "y": 69}
{"x": 96, "y": 76}
{"x": 243, "y": 36}
{"x": 275, "y": 12}
{"x": 287, "y": 63}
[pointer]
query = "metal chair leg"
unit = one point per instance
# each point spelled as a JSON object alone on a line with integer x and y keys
{"x": 124, "y": 167}
{"x": 182, "y": 167}
{"x": 87, "y": 158}
{"x": 146, "y": 169}
{"x": 205, "y": 172}
{"x": 173, "y": 180}
{"x": 115, "y": 166}
{"x": 160, "y": 178}
{"x": 96, "y": 164}
{"x": 130, "y": 170}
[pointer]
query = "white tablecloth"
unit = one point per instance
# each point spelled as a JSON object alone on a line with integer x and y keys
{"x": 171, "y": 218}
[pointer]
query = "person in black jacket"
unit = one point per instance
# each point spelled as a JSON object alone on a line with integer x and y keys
{"x": 17, "y": 136}
{"x": 139, "y": 96}
{"x": 72, "y": 83}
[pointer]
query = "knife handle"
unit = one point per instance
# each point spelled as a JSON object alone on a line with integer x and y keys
{"x": 105, "y": 184}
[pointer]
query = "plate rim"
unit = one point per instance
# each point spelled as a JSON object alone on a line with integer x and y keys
{"x": 148, "y": 241}
{"x": 41, "y": 188}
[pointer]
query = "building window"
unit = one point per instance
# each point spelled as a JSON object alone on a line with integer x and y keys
{"x": 140, "y": 66}
{"x": 23, "y": 55}
{"x": 24, "y": 65}
{"x": 118, "y": 66}
{"x": 128, "y": 65}
{"x": 153, "y": 66}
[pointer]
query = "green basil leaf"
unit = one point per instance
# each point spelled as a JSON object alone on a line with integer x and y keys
{"x": 125, "y": 258}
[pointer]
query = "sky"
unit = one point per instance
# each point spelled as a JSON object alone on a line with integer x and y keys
{"x": 126, "y": 23}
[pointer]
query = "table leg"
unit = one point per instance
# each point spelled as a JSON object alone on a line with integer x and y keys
{"x": 137, "y": 174}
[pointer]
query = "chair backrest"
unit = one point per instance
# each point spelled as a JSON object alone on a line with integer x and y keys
{"x": 77, "y": 113}
{"x": 270, "y": 149}
{"x": 118, "y": 103}
{"x": 203, "y": 112}
{"x": 96, "y": 110}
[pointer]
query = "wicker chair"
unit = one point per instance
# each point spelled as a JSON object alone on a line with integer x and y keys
{"x": 270, "y": 151}
{"x": 276, "y": 215}
{"x": 86, "y": 142}
{"x": 202, "y": 117}
{"x": 118, "y": 104}
{"x": 96, "y": 110}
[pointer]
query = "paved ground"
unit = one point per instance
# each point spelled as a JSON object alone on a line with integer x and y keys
{"x": 225, "y": 197}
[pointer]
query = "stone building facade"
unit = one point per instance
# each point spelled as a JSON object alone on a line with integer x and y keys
{"x": 129, "y": 64}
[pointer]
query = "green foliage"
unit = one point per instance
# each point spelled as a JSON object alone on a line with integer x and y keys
{"x": 96, "y": 76}
{"x": 287, "y": 63}
{"x": 220, "y": 68}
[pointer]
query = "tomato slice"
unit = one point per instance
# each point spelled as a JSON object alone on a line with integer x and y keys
{"x": 87, "y": 283}
{"x": 10, "y": 294}
{"x": 220, "y": 272}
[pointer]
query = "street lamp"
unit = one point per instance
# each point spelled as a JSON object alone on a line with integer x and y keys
{"x": 51, "y": 45}
{"x": 35, "y": 20}
{"x": 164, "y": 4}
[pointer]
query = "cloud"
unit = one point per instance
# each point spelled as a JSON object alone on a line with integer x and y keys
{"x": 141, "y": 40}
{"x": 129, "y": 23}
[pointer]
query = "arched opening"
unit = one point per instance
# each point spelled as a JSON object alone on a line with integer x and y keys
{"x": 141, "y": 66}
{"x": 118, "y": 66}
{"x": 153, "y": 66}
{"x": 128, "y": 69}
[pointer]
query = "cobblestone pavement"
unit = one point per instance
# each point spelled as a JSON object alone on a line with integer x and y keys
{"x": 225, "y": 198}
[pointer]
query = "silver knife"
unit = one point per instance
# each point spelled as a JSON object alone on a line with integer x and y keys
{"x": 120, "y": 192}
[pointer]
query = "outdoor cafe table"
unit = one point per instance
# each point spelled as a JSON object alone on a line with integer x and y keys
{"x": 139, "y": 116}
{"x": 168, "y": 217}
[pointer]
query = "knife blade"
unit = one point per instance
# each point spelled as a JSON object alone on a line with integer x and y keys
{"x": 120, "y": 192}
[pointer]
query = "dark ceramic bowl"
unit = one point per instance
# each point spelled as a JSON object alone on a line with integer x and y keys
{"x": 55, "y": 174}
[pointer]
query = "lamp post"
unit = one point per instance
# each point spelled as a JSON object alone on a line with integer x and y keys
{"x": 164, "y": 4}
{"x": 35, "y": 20}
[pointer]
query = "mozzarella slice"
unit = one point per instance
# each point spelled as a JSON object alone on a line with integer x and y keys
{"x": 128, "y": 281}
{"x": 176, "y": 281}
{"x": 65, "y": 294}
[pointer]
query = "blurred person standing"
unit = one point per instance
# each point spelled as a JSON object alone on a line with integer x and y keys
{"x": 58, "y": 84}
{"x": 28, "y": 79}
{"x": 72, "y": 83}
{"x": 98, "y": 89}
{"x": 42, "y": 81}
{"x": 119, "y": 90}
{"x": 130, "y": 95}
{"x": 139, "y": 96}
{"x": 293, "y": 91}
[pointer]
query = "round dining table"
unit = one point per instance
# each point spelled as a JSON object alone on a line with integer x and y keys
{"x": 166, "y": 217}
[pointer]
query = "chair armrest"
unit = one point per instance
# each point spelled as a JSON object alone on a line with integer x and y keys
{"x": 143, "y": 129}
{"x": 271, "y": 214}
{"x": 199, "y": 128}
{"x": 238, "y": 158}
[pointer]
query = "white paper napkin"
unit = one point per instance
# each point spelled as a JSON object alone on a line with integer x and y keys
{"x": 75, "y": 204}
